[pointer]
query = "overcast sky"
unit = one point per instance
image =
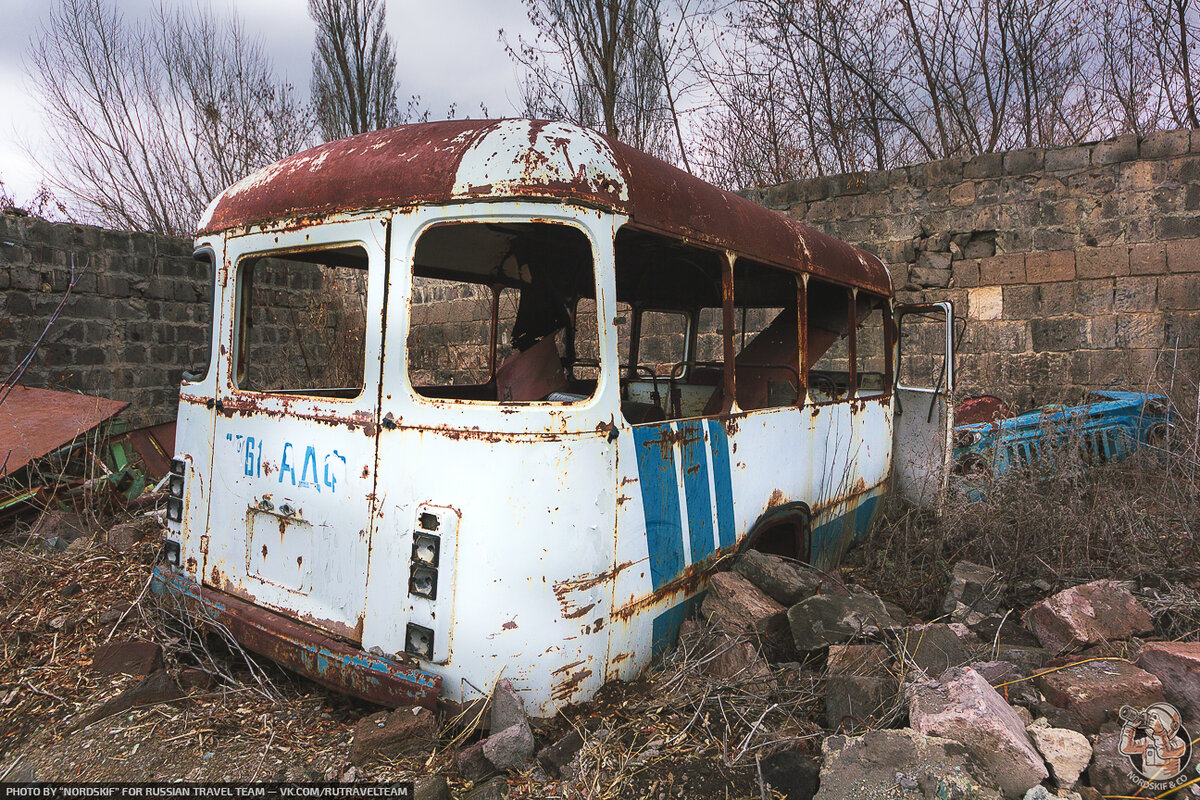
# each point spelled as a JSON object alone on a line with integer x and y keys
{"x": 447, "y": 51}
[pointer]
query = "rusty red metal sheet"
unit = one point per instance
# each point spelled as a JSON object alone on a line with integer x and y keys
{"x": 416, "y": 164}
{"x": 34, "y": 422}
{"x": 155, "y": 444}
{"x": 306, "y": 650}
{"x": 985, "y": 408}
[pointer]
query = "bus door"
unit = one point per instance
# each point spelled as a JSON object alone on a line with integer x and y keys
{"x": 924, "y": 418}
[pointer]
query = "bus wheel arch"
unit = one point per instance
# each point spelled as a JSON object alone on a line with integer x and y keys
{"x": 784, "y": 530}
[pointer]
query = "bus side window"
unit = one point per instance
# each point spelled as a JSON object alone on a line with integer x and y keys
{"x": 678, "y": 288}
{"x": 828, "y": 342}
{"x": 766, "y": 337}
{"x": 870, "y": 347}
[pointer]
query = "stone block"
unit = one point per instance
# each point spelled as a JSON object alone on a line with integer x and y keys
{"x": 1066, "y": 752}
{"x": 736, "y": 606}
{"x": 1182, "y": 255}
{"x": 1102, "y": 262}
{"x": 985, "y": 302}
{"x": 1094, "y": 691}
{"x": 1068, "y": 158}
{"x": 962, "y": 195}
{"x": 1179, "y": 227}
{"x": 1049, "y": 267}
{"x": 985, "y": 165}
{"x": 1164, "y": 144}
{"x": 965, "y": 273}
{"x": 1094, "y": 297}
{"x": 1102, "y": 332}
{"x": 1057, "y": 334}
{"x": 1179, "y": 292}
{"x": 1114, "y": 151}
{"x": 899, "y": 763}
{"x": 1140, "y": 331}
{"x": 1004, "y": 269}
{"x": 1088, "y": 614}
{"x": 1177, "y": 666}
{"x": 823, "y": 620}
{"x": 1135, "y": 294}
{"x": 934, "y": 648}
{"x": 786, "y": 581}
{"x": 964, "y": 708}
{"x": 1022, "y": 162}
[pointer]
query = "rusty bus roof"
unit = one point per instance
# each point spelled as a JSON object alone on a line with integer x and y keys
{"x": 465, "y": 160}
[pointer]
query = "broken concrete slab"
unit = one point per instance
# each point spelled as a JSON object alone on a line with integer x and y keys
{"x": 507, "y": 708}
{"x": 820, "y": 621}
{"x": 509, "y": 748}
{"x": 796, "y": 776}
{"x": 554, "y": 757}
{"x": 405, "y": 731}
{"x": 736, "y": 606}
{"x": 964, "y": 708}
{"x": 900, "y": 764}
{"x": 786, "y": 581}
{"x": 933, "y": 648}
{"x": 1177, "y": 666}
{"x": 1110, "y": 769}
{"x": 1067, "y": 753}
{"x": 1094, "y": 691}
{"x": 1100, "y": 611}
{"x": 978, "y": 588}
{"x": 65, "y": 526}
{"x": 125, "y": 535}
{"x": 860, "y": 688}
{"x": 131, "y": 658}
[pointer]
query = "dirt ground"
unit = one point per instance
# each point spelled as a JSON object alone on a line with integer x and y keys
{"x": 263, "y": 723}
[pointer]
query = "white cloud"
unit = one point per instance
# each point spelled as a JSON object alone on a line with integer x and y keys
{"x": 448, "y": 51}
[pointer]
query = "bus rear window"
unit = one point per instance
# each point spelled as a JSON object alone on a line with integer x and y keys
{"x": 496, "y": 314}
{"x": 302, "y": 324}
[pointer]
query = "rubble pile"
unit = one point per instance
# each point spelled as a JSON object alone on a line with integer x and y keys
{"x": 788, "y": 682}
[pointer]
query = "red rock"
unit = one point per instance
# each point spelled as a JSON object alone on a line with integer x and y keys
{"x": 1101, "y": 611}
{"x": 1094, "y": 691}
{"x": 736, "y": 606}
{"x": 1177, "y": 665}
{"x": 131, "y": 658}
{"x": 964, "y": 708}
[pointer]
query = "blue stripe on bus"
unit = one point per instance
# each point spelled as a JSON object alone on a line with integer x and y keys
{"x": 694, "y": 454}
{"x": 660, "y": 501}
{"x": 665, "y": 627}
{"x": 723, "y": 481}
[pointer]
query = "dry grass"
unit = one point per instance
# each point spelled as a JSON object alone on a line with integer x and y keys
{"x": 1061, "y": 522}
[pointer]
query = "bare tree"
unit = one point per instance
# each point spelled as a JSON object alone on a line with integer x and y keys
{"x": 354, "y": 69}
{"x": 147, "y": 123}
{"x": 602, "y": 64}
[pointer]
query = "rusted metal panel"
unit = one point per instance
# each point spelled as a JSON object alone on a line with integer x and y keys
{"x": 35, "y": 422}
{"x": 306, "y": 650}
{"x": 458, "y": 160}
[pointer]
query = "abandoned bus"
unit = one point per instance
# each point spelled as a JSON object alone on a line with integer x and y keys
{"x": 494, "y": 398}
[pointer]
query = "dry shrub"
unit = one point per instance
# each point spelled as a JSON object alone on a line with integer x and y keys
{"x": 1060, "y": 521}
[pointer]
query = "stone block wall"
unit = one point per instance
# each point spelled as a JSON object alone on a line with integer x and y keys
{"x": 137, "y": 317}
{"x": 1073, "y": 269}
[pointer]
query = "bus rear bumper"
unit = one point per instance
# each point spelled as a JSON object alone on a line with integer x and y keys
{"x": 301, "y": 648}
